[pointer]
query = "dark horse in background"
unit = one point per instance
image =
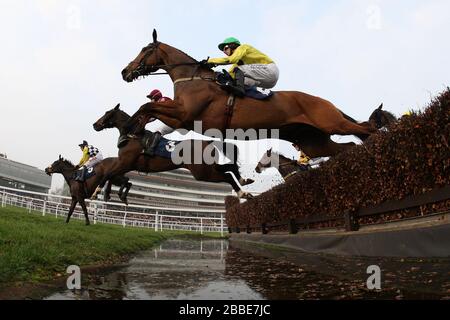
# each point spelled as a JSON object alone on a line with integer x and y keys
{"x": 303, "y": 119}
{"x": 381, "y": 118}
{"x": 81, "y": 191}
{"x": 131, "y": 156}
{"x": 285, "y": 166}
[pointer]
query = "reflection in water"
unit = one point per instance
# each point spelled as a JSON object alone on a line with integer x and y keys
{"x": 208, "y": 270}
{"x": 178, "y": 269}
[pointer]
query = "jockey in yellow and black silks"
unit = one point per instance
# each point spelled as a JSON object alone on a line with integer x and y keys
{"x": 91, "y": 156}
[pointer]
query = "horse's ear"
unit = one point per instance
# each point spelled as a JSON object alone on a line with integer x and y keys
{"x": 60, "y": 157}
{"x": 155, "y": 36}
{"x": 117, "y": 107}
{"x": 380, "y": 107}
{"x": 269, "y": 152}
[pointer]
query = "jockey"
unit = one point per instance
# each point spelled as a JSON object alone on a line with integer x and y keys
{"x": 156, "y": 96}
{"x": 303, "y": 159}
{"x": 161, "y": 128}
{"x": 250, "y": 66}
{"x": 91, "y": 156}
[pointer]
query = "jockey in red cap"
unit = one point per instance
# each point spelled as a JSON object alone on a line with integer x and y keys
{"x": 162, "y": 129}
{"x": 156, "y": 96}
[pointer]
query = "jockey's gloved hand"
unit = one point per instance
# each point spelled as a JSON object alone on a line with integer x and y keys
{"x": 207, "y": 64}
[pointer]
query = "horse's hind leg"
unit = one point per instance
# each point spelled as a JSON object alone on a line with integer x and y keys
{"x": 346, "y": 127}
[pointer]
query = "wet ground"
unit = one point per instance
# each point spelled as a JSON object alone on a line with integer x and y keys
{"x": 214, "y": 269}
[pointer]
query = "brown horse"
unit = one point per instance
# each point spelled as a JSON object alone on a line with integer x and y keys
{"x": 132, "y": 158}
{"x": 381, "y": 118}
{"x": 303, "y": 119}
{"x": 287, "y": 167}
{"x": 81, "y": 191}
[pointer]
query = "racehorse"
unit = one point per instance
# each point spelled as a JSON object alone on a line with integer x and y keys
{"x": 287, "y": 167}
{"x": 81, "y": 191}
{"x": 381, "y": 118}
{"x": 303, "y": 119}
{"x": 132, "y": 158}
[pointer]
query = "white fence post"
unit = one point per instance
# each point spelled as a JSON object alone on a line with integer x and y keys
{"x": 44, "y": 208}
{"x": 156, "y": 221}
{"x": 4, "y": 199}
{"x": 201, "y": 225}
{"x": 124, "y": 223}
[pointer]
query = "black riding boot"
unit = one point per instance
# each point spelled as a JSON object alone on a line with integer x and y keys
{"x": 81, "y": 174}
{"x": 240, "y": 83}
{"x": 155, "y": 142}
{"x": 235, "y": 86}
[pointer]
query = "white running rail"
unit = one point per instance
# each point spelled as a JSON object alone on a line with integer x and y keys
{"x": 156, "y": 218}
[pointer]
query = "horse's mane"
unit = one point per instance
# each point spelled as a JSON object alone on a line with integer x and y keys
{"x": 68, "y": 162}
{"x": 390, "y": 114}
{"x": 185, "y": 54}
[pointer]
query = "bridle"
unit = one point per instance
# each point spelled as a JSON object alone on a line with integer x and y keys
{"x": 142, "y": 68}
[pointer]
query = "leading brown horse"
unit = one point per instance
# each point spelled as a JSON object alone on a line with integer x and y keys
{"x": 303, "y": 119}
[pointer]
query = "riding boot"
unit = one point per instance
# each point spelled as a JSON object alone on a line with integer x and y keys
{"x": 239, "y": 82}
{"x": 81, "y": 174}
{"x": 155, "y": 142}
{"x": 236, "y": 86}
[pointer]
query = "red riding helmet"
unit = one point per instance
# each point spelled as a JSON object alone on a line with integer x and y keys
{"x": 155, "y": 95}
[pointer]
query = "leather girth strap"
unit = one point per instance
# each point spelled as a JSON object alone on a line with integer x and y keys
{"x": 229, "y": 110}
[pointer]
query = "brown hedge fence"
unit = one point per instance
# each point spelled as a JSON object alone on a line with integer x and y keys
{"x": 411, "y": 159}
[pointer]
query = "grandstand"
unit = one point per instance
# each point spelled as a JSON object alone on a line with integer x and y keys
{"x": 177, "y": 189}
{"x": 22, "y": 176}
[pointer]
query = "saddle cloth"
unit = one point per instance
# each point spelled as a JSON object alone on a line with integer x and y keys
{"x": 165, "y": 148}
{"x": 252, "y": 92}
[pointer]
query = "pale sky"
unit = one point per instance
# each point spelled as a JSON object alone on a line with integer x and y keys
{"x": 61, "y": 60}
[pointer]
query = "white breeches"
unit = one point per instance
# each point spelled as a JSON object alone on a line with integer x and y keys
{"x": 260, "y": 75}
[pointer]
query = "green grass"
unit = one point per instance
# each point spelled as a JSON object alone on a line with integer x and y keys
{"x": 35, "y": 248}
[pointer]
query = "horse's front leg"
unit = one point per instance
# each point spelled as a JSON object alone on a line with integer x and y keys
{"x": 170, "y": 112}
{"x": 83, "y": 206}
{"x": 71, "y": 209}
{"x": 108, "y": 191}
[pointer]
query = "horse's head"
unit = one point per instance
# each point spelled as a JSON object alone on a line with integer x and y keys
{"x": 59, "y": 166}
{"x": 380, "y": 118}
{"x": 265, "y": 162}
{"x": 147, "y": 61}
{"x": 109, "y": 120}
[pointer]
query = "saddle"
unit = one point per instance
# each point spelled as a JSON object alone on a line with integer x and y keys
{"x": 224, "y": 77}
{"x": 84, "y": 174}
{"x": 163, "y": 149}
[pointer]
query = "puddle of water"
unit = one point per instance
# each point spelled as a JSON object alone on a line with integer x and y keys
{"x": 211, "y": 270}
{"x": 176, "y": 270}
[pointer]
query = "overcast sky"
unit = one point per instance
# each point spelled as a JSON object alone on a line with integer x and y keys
{"x": 61, "y": 60}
